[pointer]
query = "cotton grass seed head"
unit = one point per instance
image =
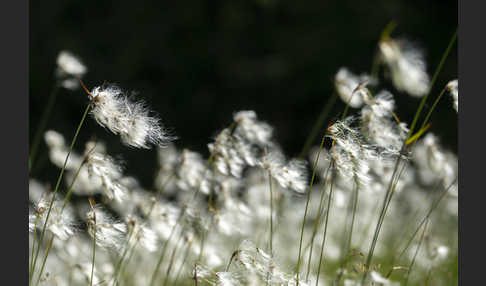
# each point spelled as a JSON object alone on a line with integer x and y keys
{"x": 115, "y": 110}
{"x": 110, "y": 233}
{"x": 348, "y": 87}
{"x": 453, "y": 88}
{"x": 407, "y": 66}
{"x": 69, "y": 68}
{"x": 251, "y": 129}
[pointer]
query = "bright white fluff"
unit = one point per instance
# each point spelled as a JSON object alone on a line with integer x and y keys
{"x": 193, "y": 174}
{"x": 104, "y": 168}
{"x": 351, "y": 155}
{"x": 377, "y": 278}
{"x": 114, "y": 110}
{"x": 290, "y": 175}
{"x": 141, "y": 233}
{"x": 232, "y": 154}
{"x": 407, "y": 66}
{"x": 109, "y": 233}
{"x": 69, "y": 68}
{"x": 58, "y": 151}
{"x": 347, "y": 83}
{"x": 453, "y": 88}
{"x": 252, "y": 130}
{"x": 378, "y": 125}
{"x": 61, "y": 221}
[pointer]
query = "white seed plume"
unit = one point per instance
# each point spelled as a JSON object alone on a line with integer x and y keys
{"x": 453, "y": 88}
{"x": 69, "y": 68}
{"x": 378, "y": 125}
{"x": 110, "y": 234}
{"x": 251, "y": 129}
{"x": 351, "y": 155}
{"x": 407, "y": 66}
{"x": 141, "y": 233}
{"x": 290, "y": 175}
{"x": 61, "y": 221}
{"x": 433, "y": 162}
{"x": 232, "y": 154}
{"x": 58, "y": 151}
{"x": 132, "y": 120}
{"x": 348, "y": 87}
{"x": 104, "y": 167}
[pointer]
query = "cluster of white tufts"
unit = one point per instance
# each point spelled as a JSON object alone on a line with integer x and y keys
{"x": 207, "y": 219}
{"x": 406, "y": 65}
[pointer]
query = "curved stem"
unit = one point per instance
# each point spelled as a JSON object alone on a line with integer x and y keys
{"x": 42, "y": 125}
{"x": 318, "y": 125}
{"x": 57, "y": 187}
{"x": 306, "y": 209}
{"x": 325, "y": 231}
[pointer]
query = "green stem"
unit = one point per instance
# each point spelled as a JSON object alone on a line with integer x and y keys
{"x": 94, "y": 251}
{"x": 426, "y": 120}
{"x": 306, "y": 209}
{"x": 386, "y": 202}
{"x": 317, "y": 222}
{"x": 389, "y": 192}
{"x": 42, "y": 125}
{"x": 318, "y": 125}
{"x": 57, "y": 186}
{"x": 44, "y": 260}
{"x": 325, "y": 231}
{"x": 427, "y": 216}
{"x": 33, "y": 242}
{"x": 432, "y": 82}
{"x": 171, "y": 263}
{"x": 415, "y": 255}
{"x": 181, "y": 266}
{"x": 355, "y": 206}
{"x": 120, "y": 265}
{"x": 181, "y": 216}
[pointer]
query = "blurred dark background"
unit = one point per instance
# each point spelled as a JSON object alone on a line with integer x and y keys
{"x": 197, "y": 62}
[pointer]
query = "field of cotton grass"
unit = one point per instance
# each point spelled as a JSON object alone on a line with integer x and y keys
{"x": 374, "y": 204}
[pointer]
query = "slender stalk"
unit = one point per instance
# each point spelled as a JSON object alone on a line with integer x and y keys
{"x": 171, "y": 263}
{"x": 42, "y": 124}
{"x": 66, "y": 199}
{"x": 386, "y": 202}
{"x": 181, "y": 266}
{"x": 49, "y": 244}
{"x": 94, "y": 251}
{"x": 33, "y": 242}
{"x": 119, "y": 267}
{"x": 319, "y": 123}
{"x": 181, "y": 216}
{"x": 389, "y": 192}
{"x": 271, "y": 212}
{"x": 325, "y": 231}
{"x": 424, "y": 220}
{"x": 432, "y": 82}
{"x": 306, "y": 209}
{"x": 317, "y": 222}
{"x": 416, "y": 252}
{"x": 57, "y": 187}
{"x": 355, "y": 206}
{"x": 426, "y": 120}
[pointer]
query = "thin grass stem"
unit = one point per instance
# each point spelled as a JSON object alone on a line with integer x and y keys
{"x": 42, "y": 124}
{"x": 57, "y": 186}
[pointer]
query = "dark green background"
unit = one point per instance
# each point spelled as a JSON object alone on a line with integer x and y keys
{"x": 197, "y": 62}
